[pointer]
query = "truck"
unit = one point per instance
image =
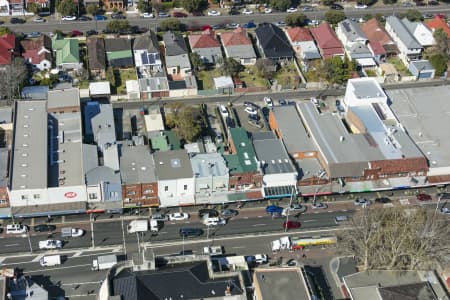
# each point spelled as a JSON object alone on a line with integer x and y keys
{"x": 71, "y": 232}
{"x": 50, "y": 260}
{"x": 213, "y": 250}
{"x": 287, "y": 243}
{"x": 104, "y": 262}
{"x": 142, "y": 226}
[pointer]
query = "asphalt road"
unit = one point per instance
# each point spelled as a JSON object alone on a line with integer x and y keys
{"x": 53, "y": 24}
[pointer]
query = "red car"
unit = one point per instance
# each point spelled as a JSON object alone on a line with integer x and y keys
{"x": 291, "y": 225}
{"x": 76, "y": 33}
{"x": 423, "y": 197}
{"x": 441, "y": 15}
{"x": 177, "y": 14}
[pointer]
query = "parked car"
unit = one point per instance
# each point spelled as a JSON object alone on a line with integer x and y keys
{"x": 178, "y": 14}
{"x": 444, "y": 196}
{"x": 268, "y": 101}
{"x": 159, "y": 217}
{"x": 118, "y": 16}
{"x": 76, "y": 33}
{"x": 319, "y": 205}
{"x": 441, "y": 16}
{"x": 282, "y": 102}
{"x": 16, "y": 229}
{"x": 17, "y": 21}
{"x": 307, "y": 8}
{"x": 197, "y": 14}
{"x": 291, "y": 225}
{"x": 291, "y": 10}
{"x": 362, "y": 202}
{"x": 336, "y": 6}
{"x": 228, "y": 213}
{"x": 250, "y": 110}
{"x": 248, "y": 25}
{"x": 68, "y": 18}
{"x": 67, "y": 232}
{"x": 291, "y": 263}
{"x": 253, "y": 117}
{"x": 261, "y": 258}
{"x": 273, "y": 209}
{"x": 360, "y": 5}
{"x": 44, "y": 228}
{"x": 214, "y": 13}
{"x": 39, "y": 20}
{"x": 147, "y": 15}
{"x": 297, "y": 207}
{"x": 33, "y": 34}
{"x": 218, "y": 26}
{"x": 249, "y": 104}
{"x": 50, "y": 244}
{"x": 433, "y": 3}
{"x": 208, "y": 211}
{"x": 445, "y": 211}
{"x": 91, "y": 32}
{"x": 383, "y": 200}
{"x": 100, "y": 17}
{"x": 247, "y": 11}
{"x": 179, "y": 216}
{"x": 232, "y": 26}
{"x": 407, "y": 4}
{"x": 280, "y": 23}
{"x": 423, "y": 197}
{"x": 224, "y": 111}
{"x": 188, "y": 232}
{"x": 267, "y": 10}
{"x": 84, "y": 18}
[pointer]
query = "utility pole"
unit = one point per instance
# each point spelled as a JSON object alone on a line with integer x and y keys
{"x": 138, "y": 242}
{"x": 123, "y": 237}
{"x": 92, "y": 230}
{"x": 29, "y": 242}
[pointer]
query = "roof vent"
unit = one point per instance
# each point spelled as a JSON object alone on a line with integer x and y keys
{"x": 341, "y": 138}
{"x": 161, "y": 163}
{"x": 143, "y": 168}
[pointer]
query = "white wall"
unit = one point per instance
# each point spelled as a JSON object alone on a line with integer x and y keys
{"x": 183, "y": 93}
{"x": 176, "y": 194}
{"x": 54, "y": 195}
{"x": 283, "y": 179}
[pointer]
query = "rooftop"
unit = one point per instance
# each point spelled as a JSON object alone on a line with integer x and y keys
{"x": 63, "y": 98}
{"x": 244, "y": 148}
{"x": 99, "y": 88}
{"x": 29, "y": 161}
{"x": 365, "y": 88}
{"x": 280, "y": 283}
{"x": 137, "y": 165}
{"x": 208, "y": 164}
{"x": 352, "y": 31}
{"x": 103, "y": 125}
{"x": 402, "y": 32}
{"x": 170, "y": 165}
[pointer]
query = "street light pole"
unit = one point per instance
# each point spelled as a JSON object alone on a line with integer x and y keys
{"x": 92, "y": 230}
{"x": 123, "y": 237}
{"x": 289, "y": 209}
{"x": 437, "y": 206}
{"x": 29, "y": 242}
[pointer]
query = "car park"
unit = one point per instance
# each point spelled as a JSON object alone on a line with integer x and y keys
{"x": 228, "y": 213}
{"x": 273, "y": 209}
{"x": 100, "y": 17}
{"x": 362, "y": 202}
{"x": 179, "y": 216}
{"x": 268, "y": 101}
{"x": 50, "y": 244}
{"x": 190, "y": 232}
{"x": 39, "y": 20}
{"x": 291, "y": 10}
{"x": 319, "y": 205}
{"x": 16, "y": 229}
{"x": 214, "y": 13}
{"x": 423, "y": 197}
{"x": 383, "y": 200}
{"x": 208, "y": 211}
{"x": 291, "y": 224}
{"x": 223, "y": 111}
{"x": 44, "y": 228}
{"x": 250, "y": 110}
{"x": 68, "y": 18}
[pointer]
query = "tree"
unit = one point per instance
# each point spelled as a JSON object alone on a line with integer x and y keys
{"x": 439, "y": 63}
{"x": 13, "y": 77}
{"x": 185, "y": 120}
{"x": 143, "y": 6}
{"x": 380, "y": 18}
{"x": 231, "y": 67}
{"x": 170, "y": 24}
{"x": 92, "y": 8}
{"x": 33, "y": 7}
{"x": 334, "y": 17}
{"x": 194, "y": 5}
{"x": 66, "y": 7}
{"x": 412, "y": 15}
{"x": 328, "y": 2}
{"x": 441, "y": 38}
{"x": 117, "y": 25}
{"x": 367, "y": 2}
{"x": 266, "y": 68}
{"x": 397, "y": 238}
{"x": 389, "y": 1}
{"x": 4, "y": 30}
{"x": 295, "y": 19}
{"x": 196, "y": 60}
{"x": 281, "y": 4}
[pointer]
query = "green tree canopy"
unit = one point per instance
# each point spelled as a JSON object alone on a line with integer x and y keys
{"x": 328, "y": 2}
{"x": 4, "y": 30}
{"x": 33, "y": 7}
{"x": 196, "y": 60}
{"x": 194, "y": 5}
{"x": 186, "y": 121}
{"x": 367, "y": 2}
{"x": 66, "y": 7}
{"x": 338, "y": 70}
{"x": 92, "y": 8}
{"x": 441, "y": 38}
{"x": 170, "y": 24}
{"x": 439, "y": 63}
{"x": 265, "y": 68}
{"x": 144, "y": 6}
{"x": 389, "y": 1}
{"x": 295, "y": 19}
{"x": 412, "y": 15}
{"x": 334, "y": 16}
{"x": 117, "y": 25}
{"x": 281, "y": 4}
{"x": 231, "y": 67}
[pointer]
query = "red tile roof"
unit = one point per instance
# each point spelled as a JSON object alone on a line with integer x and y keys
{"x": 377, "y": 48}
{"x": 235, "y": 38}
{"x": 33, "y": 47}
{"x": 7, "y": 42}
{"x": 375, "y": 32}
{"x": 438, "y": 23}
{"x": 205, "y": 40}
{"x": 327, "y": 41}
{"x": 299, "y": 34}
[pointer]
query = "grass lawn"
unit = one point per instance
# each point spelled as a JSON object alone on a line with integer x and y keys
{"x": 287, "y": 76}
{"x": 251, "y": 79}
{"x": 400, "y": 66}
{"x": 122, "y": 75}
{"x": 205, "y": 79}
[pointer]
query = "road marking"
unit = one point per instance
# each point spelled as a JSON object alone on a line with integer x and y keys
{"x": 53, "y": 269}
{"x": 245, "y": 218}
{"x": 254, "y": 225}
{"x": 163, "y": 232}
{"x": 260, "y": 216}
{"x": 238, "y": 247}
{"x": 316, "y": 212}
{"x": 77, "y": 254}
{"x": 329, "y": 211}
{"x": 344, "y": 209}
{"x": 81, "y": 283}
{"x": 12, "y": 245}
{"x": 313, "y": 220}
{"x": 37, "y": 258}
{"x": 2, "y": 259}
{"x": 80, "y": 295}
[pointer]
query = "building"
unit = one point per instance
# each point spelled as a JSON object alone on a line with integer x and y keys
{"x": 38, "y": 52}
{"x": 96, "y": 57}
{"x": 132, "y": 87}
{"x": 422, "y": 69}
{"x": 184, "y": 87}
{"x": 5, "y": 146}
{"x": 154, "y": 122}
{"x": 303, "y": 43}
{"x": 111, "y": 5}
{"x": 211, "y": 177}
{"x": 238, "y": 45}
{"x": 206, "y": 46}
{"x": 273, "y": 43}
{"x": 438, "y": 23}
{"x": 100, "y": 90}
{"x": 355, "y": 43}
{"x": 420, "y": 32}
{"x": 153, "y": 87}
{"x": 279, "y": 174}
{"x": 147, "y": 55}
{"x": 118, "y": 52}
{"x": 67, "y": 53}
{"x": 102, "y": 124}
{"x": 8, "y": 48}
{"x": 224, "y": 85}
{"x": 380, "y": 43}
{"x": 393, "y": 284}
{"x": 35, "y": 92}
{"x": 24, "y": 287}
{"x": 176, "y": 56}
{"x": 176, "y": 181}
{"x": 409, "y": 48}
{"x": 139, "y": 184}
{"x": 364, "y": 91}
{"x": 328, "y": 43}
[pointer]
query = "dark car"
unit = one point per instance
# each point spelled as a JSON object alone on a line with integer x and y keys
{"x": 282, "y": 102}
{"x": 444, "y": 196}
{"x": 228, "y": 213}
{"x": 118, "y": 16}
{"x": 291, "y": 225}
{"x": 383, "y": 200}
{"x": 208, "y": 211}
{"x": 177, "y": 14}
{"x": 100, "y": 18}
{"x": 197, "y": 13}
{"x": 17, "y": 21}
{"x": 433, "y": 3}
{"x": 188, "y": 232}
{"x": 336, "y": 6}
{"x": 423, "y": 197}
{"x": 84, "y": 18}
{"x": 91, "y": 32}
{"x": 44, "y": 228}
{"x": 250, "y": 24}
{"x": 218, "y": 26}
{"x": 273, "y": 209}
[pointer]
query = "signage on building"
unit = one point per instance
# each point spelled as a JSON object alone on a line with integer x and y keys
{"x": 70, "y": 195}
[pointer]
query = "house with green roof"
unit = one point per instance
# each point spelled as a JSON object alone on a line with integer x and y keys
{"x": 245, "y": 173}
{"x": 118, "y": 52}
{"x": 164, "y": 141}
{"x": 67, "y": 53}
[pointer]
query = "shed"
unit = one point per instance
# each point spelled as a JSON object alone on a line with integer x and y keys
{"x": 132, "y": 87}
{"x": 99, "y": 89}
{"x": 224, "y": 84}
{"x": 422, "y": 69}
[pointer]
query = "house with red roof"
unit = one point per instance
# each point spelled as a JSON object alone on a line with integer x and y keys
{"x": 380, "y": 42}
{"x": 238, "y": 45}
{"x": 327, "y": 41}
{"x": 38, "y": 52}
{"x": 303, "y": 43}
{"x": 8, "y": 48}
{"x": 206, "y": 45}
{"x": 438, "y": 23}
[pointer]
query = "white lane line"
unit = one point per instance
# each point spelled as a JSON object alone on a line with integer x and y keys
{"x": 37, "y": 258}
{"x": 81, "y": 283}
{"x": 80, "y": 295}
{"x": 238, "y": 247}
{"x": 2, "y": 259}
{"x": 11, "y": 245}
{"x": 313, "y": 220}
{"x": 163, "y": 232}
{"x": 54, "y": 269}
{"x": 254, "y": 225}
{"x": 260, "y": 216}
{"x": 77, "y": 254}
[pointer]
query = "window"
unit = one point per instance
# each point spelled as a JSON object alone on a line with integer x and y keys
{"x": 148, "y": 191}
{"x": 92, "y": 196}
{"x": 24, "y": 197}
{"x": 185, "y": 187}
{"x": 166, "y": 188}
{"x": 37, "y": 196}
{"x": 131, "y": 193}
{"x": 113, "y": 195}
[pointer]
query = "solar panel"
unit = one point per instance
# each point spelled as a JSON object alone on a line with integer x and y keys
{"x": 144, "y": 58}
{"x": 151, "y": 59}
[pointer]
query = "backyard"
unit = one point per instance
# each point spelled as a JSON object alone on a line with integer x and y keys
{"x": 400, "y": 66}
{"x": 287, "y": 76}
{"x": 118, "y": 79}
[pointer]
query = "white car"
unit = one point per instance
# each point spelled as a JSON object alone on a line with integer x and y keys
{"x": 39, "y": 20}
{"x": 268, "y": 101}
{"x": 214, "y": 221}
{"x": 267, "y": 10}
{"x": 291, "y": 10}
{"x": 362, "y": 202}
{"x": 68, "y": 18}
{"x": 214, "y": 13}
{"x": 251, "y": 110}
{"x": 261, "y": 258}
{"x": 50, "y": 244}
{"x": 178, "y": 216}
{"x": 445, "y": 211}
{"x": 147, "y": 15}
{"x": 16, "y": 229}
{"x": 223, "y": 111}
{"x": 360, "y": 6}
{"x": 247, "y": 11}
{"x": 77, "y": 232}
{"x": 319, "y": 205}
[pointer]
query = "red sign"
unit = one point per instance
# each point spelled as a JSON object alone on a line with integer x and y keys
{"x": 70, "y": 195}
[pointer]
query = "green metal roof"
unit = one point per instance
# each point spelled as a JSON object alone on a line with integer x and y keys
{"x": 67, "y": 51}
{"x": 173, "y": 139}
{"x": 244, "y": 148}
{"x": 233, "y": 164}
{"x": 119, "y": 54}
{"x": 159, "y": 143}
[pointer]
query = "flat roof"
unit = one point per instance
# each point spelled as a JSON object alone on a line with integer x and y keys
{"x": 170, "y": 165}
{"x": 365, "y": 88}
{"x": 63, "y": 98}
{"x": 244, "y": 150}
{"x": 154, "y": 122}
{"x": 4, "y": 155}
{"x": 103, "y": 127}
{"x": 281, "y": 283}
{"x": 208, "y": 164}
{"x": 99, "y": 88}
{"x": 137, "y": 165}
{"x": 29, "y": 160}
{"x": 5, "y": 115}
{"x": 425, "y": 113}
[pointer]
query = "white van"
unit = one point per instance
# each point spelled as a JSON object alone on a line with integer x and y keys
{"x": 50, "y": 260}
{"x": 16, "y": 229}
{"x": 213, "y": 221}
